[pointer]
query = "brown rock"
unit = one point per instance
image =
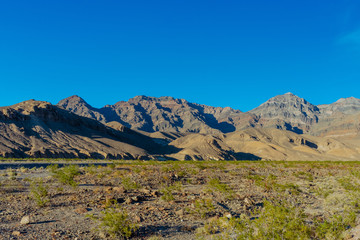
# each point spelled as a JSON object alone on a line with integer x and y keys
{"x": 25, "y": 220}
{"x": 81, "y": 210}
{"x": 180, "y": 212}
{"x": 16, "y": 233}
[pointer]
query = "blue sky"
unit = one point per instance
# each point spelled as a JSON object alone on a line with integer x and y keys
{"x": 219, "y": 53}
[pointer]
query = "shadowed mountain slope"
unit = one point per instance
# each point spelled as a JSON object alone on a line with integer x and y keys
{"x": 288, "y": 112}
{"x": 39, "y": 129}
{"x": 165, "y": 114}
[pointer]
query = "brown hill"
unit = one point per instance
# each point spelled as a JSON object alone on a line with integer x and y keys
{"x": 288, "y": 112}
{"x": 272, "y": 144}
{"x": 164, "y": 114}
{"x": 39, "y": 129}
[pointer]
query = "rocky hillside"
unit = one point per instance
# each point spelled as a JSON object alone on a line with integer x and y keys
{"x": 165, "y": 114}
{"x": 39, "y": 129}
{"x": 288, "y": 112}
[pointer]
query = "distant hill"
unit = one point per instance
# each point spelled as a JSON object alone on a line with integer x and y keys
{"x": 39, "y": 129}
{"x": 166, "y": 114}
{"x": 286, "y": 127}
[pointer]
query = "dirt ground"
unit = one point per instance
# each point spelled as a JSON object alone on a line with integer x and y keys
{"x": 182, "y": 200}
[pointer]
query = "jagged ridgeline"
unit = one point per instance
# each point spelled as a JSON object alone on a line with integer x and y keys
{"x": 286, "y": 127}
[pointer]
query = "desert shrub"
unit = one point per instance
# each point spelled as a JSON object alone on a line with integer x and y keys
{"x": 116, "y": 223}
{"x": 334, "y": 228}
{"x": 66, "y": 174}
{"x": 168, "y": 191}
{"x": 39, "y": 193}
{"x": 214, "y": 184}
{"x": 203, "y": 207}
{"x": 129, "y": 184}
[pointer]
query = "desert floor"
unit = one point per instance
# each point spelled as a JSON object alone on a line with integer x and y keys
{"x": 181, "y": 200}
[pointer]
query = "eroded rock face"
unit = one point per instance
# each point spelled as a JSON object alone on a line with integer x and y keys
{"x": 346, "y": 106}
{"x": 288, "y": 112}
{"x": 165, "y": 114}
{"x": 39, "y": 129}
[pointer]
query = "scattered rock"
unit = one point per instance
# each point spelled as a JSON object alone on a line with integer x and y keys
{"x": 155, "y": 193}
{"x": 129, "y": 201}
{"x": 180, "y": 212}
{"x": 16, "y": 233}
{"x": 120, "y": 189}
{"x": 25, "y": 220}
{"x": 248, "y": 201}
{"x": 138, "y": 219}
{"x": 81, "y": 210}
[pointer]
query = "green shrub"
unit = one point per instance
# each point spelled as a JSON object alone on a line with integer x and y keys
{"x": 128, "y": 184}
{"x": 66, "y": 174}
{"x": 214, "y": 184}
{"x": 167, "y": 191}
{"x": 39, "y": 193}
{"x": 116, "y": 223}
{"x": 203, "y": 207}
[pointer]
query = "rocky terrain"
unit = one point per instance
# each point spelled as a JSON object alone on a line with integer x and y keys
{"x": 166, "y": 114}
{"x": 284, "y": 128}
{"x": 182, "y": 200}
{"x": 39, "y": 129}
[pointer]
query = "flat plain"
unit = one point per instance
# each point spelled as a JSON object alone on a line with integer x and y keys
{"x": 182, "y": 200}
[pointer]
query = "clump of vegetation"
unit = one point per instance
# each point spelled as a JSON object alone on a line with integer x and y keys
{"x": 335, "y": 227}
{"x": 129, "y": 184}
{"x": 168, "y": 191}
{"x": 39, "y": 193}
{"x": 215, "y": 184}
{"x": 66, "y": 174}
{"x": 116, "y": 223}
{"x": 203, "y": 207}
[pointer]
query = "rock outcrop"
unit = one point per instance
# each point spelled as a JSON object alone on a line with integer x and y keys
{"x": 39, "y": 129}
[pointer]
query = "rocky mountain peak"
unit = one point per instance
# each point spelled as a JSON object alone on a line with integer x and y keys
{"x": 349, "y": 100}
{"x": 74, "y": 100}
{"x": 287, "y": 110}
{"x": 349, "y": 105}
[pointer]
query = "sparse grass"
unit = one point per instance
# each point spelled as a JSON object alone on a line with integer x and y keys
{"x": 116, "y": 223}
{"x": 168, "y": 191}
{"x": 129, "y": 184}
{"x": 203, "y": 207}
{"x": 66, "y": 174}
{"x": 214, "y": 184}
{"x": 39, "y": 192}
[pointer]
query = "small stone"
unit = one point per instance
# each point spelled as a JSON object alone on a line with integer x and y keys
{"x": 155, "y": 193}
{"x": 81, "y": 210}
{"x": 146, "y": 191}
{"x": 180, "y": 212}
{"x": 108, "y": 189}
{"x": 228, "y": 215}
{"x": 119, "y": 189}
{"x": 138, "y": 219}
{"x": 25, "y": 220}
{"x": 248, "y": 201}
{"x": 128, "y": 201}
{"x": 135, "y": 199}
{"x": 16, "y": 233}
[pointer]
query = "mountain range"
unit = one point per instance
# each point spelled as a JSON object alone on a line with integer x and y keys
{"x": 286, "y": 127}
{"x": 166, "y": 114}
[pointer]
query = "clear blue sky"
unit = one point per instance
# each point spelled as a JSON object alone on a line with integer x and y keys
{"x": 219, "y": 53}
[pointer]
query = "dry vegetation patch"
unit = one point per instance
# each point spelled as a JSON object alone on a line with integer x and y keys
{"x": 182, "y": 200}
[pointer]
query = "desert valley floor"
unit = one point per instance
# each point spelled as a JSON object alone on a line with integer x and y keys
{"x": 182, "y": 200}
